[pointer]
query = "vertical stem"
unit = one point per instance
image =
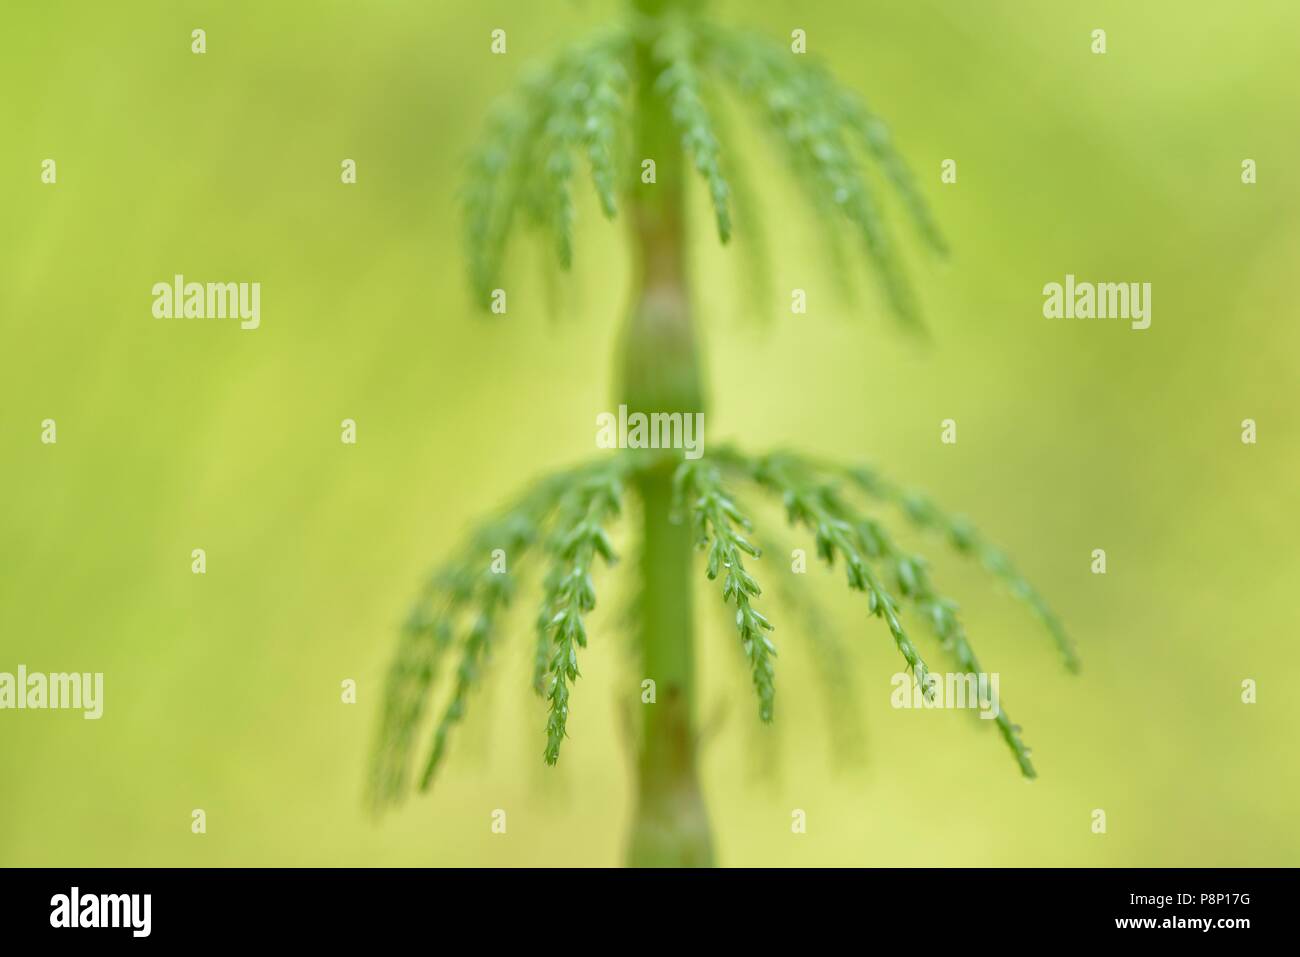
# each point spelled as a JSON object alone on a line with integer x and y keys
{"x": 671, "y": 827}
{"x": 657, "y": 7}
{"x": 661, "y": 373}
{"x": 660, "y": 361}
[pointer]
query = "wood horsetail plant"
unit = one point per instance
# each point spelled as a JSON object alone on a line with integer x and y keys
{"x": 647, "y": 90}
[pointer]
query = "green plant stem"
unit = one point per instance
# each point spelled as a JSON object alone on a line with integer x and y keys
{"x": 660, "y": 357}
{"x": 671, "y": 826}
{"x": 658, "y": 7}
{"x": 661, "y": 373}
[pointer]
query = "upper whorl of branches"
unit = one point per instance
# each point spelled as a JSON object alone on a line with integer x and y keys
{"x": 524, "y": 162}
{"x": 817, "y": 125}
{"x": 580, "y": 106}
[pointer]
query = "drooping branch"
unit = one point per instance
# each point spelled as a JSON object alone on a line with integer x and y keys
{"x": 467, "y": 584}
{"x": 605, "y": 87}
{"x": 524, "y": 163}
{"x": 815, "y": 121}
{"x": 967, "y": 541}
{"x": 812, "y": 495}
{"x": 828, "y": 652}
{"x": 913, "y": 580}
{"x": 681, "y": 83}
{"x": 808, "y": 504}
{"x": 570, "y": 593}
{"x": 715, "y": 518}
{"x": 469, "y": 591}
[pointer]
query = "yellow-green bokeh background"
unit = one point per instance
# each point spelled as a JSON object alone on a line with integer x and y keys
{"x": 222, "y": 691}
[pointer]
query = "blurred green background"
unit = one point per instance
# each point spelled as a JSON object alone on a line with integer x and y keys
{"x": 222, "y": 691}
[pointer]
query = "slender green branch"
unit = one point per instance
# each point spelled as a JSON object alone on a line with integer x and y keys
{"x": 714, "y": 518}
{"x": 491, "y": 192}
{"x": 605, "y": 83}
{"x": 967, "y": 541}
{"x": 788, "y": 474}
{"x": 914, "y": 583}
{"x": 542, "y": 632}
{"x": 829, "y": 656}
{"x": 552, "y": 199}
{"x": 570, "y": 592}
{"x": 468, "y": 582}
{"x": 525, "y": 161}
{"x": 749, "y": 231}
{"x": 874, "y": 133}
{"x": 680, "y": 83}
{"x": 474, "y": 656}
{"x": 807, "y": 504}
{"x": 805, "y": 111}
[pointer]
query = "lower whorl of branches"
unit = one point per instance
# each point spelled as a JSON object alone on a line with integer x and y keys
{"x": 567, "y": 517}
